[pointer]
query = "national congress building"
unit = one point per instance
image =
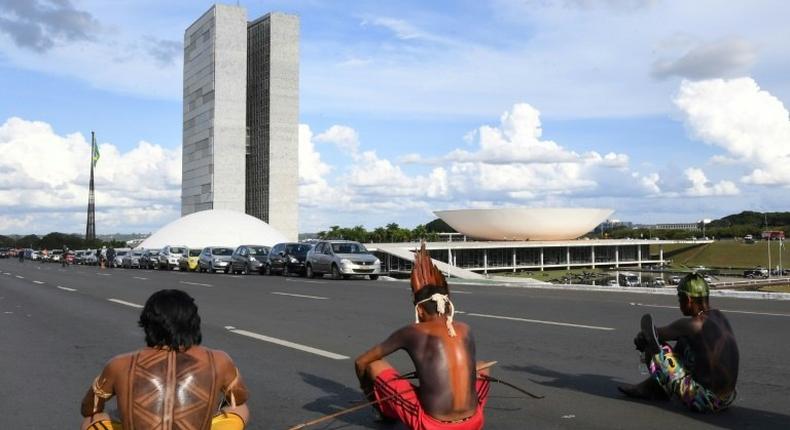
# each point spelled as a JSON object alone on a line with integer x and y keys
{"x": 241, "y": 113}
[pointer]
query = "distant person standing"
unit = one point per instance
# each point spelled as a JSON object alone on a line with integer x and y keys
{"x": 21, "y": 255}
{"x": 110, "y": 257}
{"x": 64, "y": 258}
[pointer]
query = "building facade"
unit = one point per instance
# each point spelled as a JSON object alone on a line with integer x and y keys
{"x": 215, "y": 91}
{"x": 241, "y": 113}
{"x": 272, "y": 179}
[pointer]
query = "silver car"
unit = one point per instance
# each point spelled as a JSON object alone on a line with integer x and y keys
{"x": 341, "y": 259}
{"x": 132, "y": 259}
{"x": 215, "y": 258}
{"x": 168, "y": 257}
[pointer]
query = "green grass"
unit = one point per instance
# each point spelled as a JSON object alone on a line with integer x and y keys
{"x": 725, "y": 254}
{"x": 777, "y": 288}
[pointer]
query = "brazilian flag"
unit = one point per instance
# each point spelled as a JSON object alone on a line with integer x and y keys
{"x": 95, "y": 156}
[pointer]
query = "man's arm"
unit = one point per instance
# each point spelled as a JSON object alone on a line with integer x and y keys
{"x": 679, "y": 328}
{"x": 394, "y": 342}
{"x": 102, "y": 389}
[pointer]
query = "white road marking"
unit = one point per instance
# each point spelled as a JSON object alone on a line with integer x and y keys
{"x": 288, "y": 344}
{"x": 564, "y": 324}
{"x": 104, "y": 274}
{"x": 67, "y": 289}
{"x": 20, "y": 277}
{"x": 300, "y": 295}
{"x": 140, "y": 278}
{"x": 6, "y": 273}
{"x": 195, "y": 283}
{"x": 38, "y": 282}
{"x": 125, "y": 303}
{"x": 461, "y": 292}
{"x": 729, "y": 311}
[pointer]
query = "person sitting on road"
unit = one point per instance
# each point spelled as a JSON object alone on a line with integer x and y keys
{"x": 450, "y": 394}
{"x": 171, "y": 383}
{"x": 702, "y": 368}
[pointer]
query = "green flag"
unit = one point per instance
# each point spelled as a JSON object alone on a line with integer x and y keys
{"x": 95, "y": 156}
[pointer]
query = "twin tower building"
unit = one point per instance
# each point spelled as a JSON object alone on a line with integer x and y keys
{"x": 241, "y": 114}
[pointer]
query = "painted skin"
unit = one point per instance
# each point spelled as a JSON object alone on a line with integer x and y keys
{"x": 445, "y": 365}
{"x": 164, "y": 389}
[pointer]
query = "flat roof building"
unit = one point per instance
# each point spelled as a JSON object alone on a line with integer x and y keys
{"x": 241, "y": 114}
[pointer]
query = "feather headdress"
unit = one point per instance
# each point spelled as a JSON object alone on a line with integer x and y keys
{"x": 424, "y": 274}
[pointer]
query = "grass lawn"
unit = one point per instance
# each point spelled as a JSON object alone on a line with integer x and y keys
{"x": 725, "y": 254}
{"x": 777, "y": 289}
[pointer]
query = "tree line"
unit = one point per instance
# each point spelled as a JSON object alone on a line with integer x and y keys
{"x": 56, "y": 240}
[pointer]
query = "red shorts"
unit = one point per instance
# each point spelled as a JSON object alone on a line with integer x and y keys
{"x": 406, "y": 407}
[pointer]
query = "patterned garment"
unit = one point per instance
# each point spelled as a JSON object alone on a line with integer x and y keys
{"x": 402, "y": 404}
{"x": 675, "y": 377}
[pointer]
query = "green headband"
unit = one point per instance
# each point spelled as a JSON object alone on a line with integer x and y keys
{"x": 694, "y": 285}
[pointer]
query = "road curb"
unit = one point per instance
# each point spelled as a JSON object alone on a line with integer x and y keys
{"x": 755, "y": 295}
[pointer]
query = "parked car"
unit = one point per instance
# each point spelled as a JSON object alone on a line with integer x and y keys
{"x": 188, "y": 261}
{"x": 341, "y": 259}
{"x": 149, "y": 259}
{"x": 78, "y": 256}
{"x": 628, "y": 280}
{"x": 132, "y": 259}
{"x": 675, "y": 280}
{"x": 169, "y": 255}
{"x": 755, "y": 273}
{"x": 90, "y": 257}
{"x": 55, "y": 255}
{"x": 248, "y": 258}
{"x": 612, "y": 283}
{"x": 287, "y": 258}
{"x": 117, "y": 261}
{"x": 214, "y": 258}
{"x": 659, "y": 283}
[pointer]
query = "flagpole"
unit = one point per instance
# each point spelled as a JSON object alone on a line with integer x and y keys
{"x": 90, "y": 228}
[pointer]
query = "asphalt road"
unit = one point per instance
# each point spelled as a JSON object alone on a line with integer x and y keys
{"x": 59, "y": 326}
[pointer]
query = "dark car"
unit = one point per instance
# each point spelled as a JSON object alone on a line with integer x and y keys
{"x": 755, "y": 273}
{"x": 287, "y": 258}
{"x": 248, "y": 258}
{"x": 150, "y": 259}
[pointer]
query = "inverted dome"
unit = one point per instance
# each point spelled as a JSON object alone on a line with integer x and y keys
{"x": 524, "y": 223}
{"x": 215, "y": 227}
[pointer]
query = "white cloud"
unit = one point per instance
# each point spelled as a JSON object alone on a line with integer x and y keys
{"x": 749, "y": 123}
{"x": 344, "y": 137}
{"x": 702, "y": 187}
{"x": 44, "y": 181}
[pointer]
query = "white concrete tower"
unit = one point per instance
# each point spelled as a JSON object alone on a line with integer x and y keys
{"x": 215, "y": 94}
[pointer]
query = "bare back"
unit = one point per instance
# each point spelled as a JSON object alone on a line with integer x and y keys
{"x": 165, "y": 389}
{"x": 445, "y": 367}
{"x": 715, "y": 353}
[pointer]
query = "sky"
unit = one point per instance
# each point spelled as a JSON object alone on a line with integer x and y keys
{"x": 663, "y": 111}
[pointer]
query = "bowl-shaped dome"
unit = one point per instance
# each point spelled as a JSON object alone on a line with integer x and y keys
{"x": 524, "y": 223}
{"x": 215, "y": 227}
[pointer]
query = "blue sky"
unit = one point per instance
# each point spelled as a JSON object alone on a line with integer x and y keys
{"x": 664, "y": 111}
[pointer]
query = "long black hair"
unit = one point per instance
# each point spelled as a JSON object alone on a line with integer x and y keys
{"x": 170, "y": 319}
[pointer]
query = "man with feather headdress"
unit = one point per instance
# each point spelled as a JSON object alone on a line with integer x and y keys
{"x": 450, "y": 394}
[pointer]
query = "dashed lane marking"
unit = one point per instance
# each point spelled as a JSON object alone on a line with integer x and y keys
{"x": 125, "y": 303}
{"x": 287, "y": 344}
{"x": 104, "y": 274}
{"x": 6, "y": 273}
{"x": 305, "y": 296}
{"x": 67, "y": 289}
{"x": 20, "y": 277}
{"x": 563, "y": 324}
{"x": 38, "y": 282}
{"x": 140, "y": 278}
{"x": 729, "y": 311}
{"x": 195, "y": 283}
{"x": 461, "y": 292}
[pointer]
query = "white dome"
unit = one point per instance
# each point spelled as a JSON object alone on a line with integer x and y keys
{"x": 215, "y": 227}
{"x": 524, "y": 223}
